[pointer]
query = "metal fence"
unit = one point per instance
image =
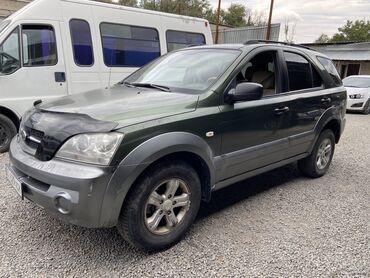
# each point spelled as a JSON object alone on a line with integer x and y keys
{"x": 243, "y": 34}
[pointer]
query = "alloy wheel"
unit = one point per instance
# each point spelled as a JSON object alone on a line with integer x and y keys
{"x": 167, "y": 206}
{"x": 323, "y": 154}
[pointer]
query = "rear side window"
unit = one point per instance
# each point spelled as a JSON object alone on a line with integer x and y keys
{"x": 81, "y": 42}
{"x": 331, "y": 69}
{"x": 178, "y": 39}
{"x": 39, "y": 46}
{"x": 302, "y": 74}
{"x": 129, "y": 46}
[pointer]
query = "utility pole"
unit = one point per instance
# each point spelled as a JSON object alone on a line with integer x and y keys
{"x": 269, "y": 22}
{"x": 218, "y": 20}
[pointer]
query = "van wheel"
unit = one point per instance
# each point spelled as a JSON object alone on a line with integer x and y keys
{"x": 7, "y": 132}
{"x": 161, "y": 207}
{"x": 367, "y": 108}
{"x": 317, "y": 164}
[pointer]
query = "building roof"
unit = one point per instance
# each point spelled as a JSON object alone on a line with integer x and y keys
{"x": 344, "y": 51}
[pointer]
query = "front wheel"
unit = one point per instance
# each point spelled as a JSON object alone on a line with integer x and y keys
{"x": 317, "y": 164}
{"x": 7, "y": 132}
{"x": 161, "y": 207}
{"x": 366, "y": 109}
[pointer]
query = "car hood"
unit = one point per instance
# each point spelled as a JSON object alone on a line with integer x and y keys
{"x": 353, "y": 90}
{"x": 124, "y": 105}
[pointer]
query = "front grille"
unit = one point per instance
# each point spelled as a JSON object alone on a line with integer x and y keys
{"x": 31, "y": 137}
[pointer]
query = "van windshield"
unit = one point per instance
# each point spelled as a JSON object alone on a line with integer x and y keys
{"x": 190, "y": 70}
{"x": 3, "y": 25}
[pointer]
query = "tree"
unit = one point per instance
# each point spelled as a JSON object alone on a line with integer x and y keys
{"x": 358, "y": 30}
{"x": 289, "y": 30}
{"x": 324, "y": 38}
{"x": 235, "y": 15}
{"x": 130, "y": 3}
{"x": 196, "y": 8}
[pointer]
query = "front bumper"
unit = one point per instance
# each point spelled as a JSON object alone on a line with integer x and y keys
{"x": 46, "y": 183}
{"x": 355, "y": 104}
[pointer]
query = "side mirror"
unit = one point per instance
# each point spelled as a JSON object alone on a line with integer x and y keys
{"x": 245, "y": 91}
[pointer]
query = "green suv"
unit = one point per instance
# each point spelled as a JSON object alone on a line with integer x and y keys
{"x": 143, "y": 154}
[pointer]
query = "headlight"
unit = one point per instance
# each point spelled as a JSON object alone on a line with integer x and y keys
{"x": 96, "y": 148}
{"x": 356, "y": 96}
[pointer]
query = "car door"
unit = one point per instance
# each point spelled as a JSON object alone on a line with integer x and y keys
{"x": 309, "y": 100}
{"x": 254, "y": 132}
{"x": 40, "y": 72}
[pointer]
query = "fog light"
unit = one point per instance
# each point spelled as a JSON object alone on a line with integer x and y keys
{"x": 63, "y": 202}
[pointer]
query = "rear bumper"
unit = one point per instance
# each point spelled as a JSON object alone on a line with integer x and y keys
{"x": 70, "y": 191}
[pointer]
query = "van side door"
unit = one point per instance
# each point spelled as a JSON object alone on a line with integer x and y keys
{"x": 40, "y": 70}
{"x": 81, "y": 46}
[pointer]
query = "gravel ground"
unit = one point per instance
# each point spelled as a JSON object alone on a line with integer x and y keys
{"x": 276, "y": 224}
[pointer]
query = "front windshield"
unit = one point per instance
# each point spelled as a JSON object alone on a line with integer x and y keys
{"x": 4, "y": 24}
{"x": 186, "y": 70}
{"x": 357, "y": 82}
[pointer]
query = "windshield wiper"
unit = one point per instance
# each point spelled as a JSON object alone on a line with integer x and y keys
{"x": 128, "y": 84}
{"x": 151, "y": 85}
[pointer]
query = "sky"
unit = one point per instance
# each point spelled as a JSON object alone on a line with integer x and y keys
{"x": 312, "y": 17}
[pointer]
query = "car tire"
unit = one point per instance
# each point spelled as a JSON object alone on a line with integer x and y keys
{"x": 366, "y": 110}
{"x": 155, "y": 194}
{"x": 7, "y": 131}
{"x": 318, "y": 162}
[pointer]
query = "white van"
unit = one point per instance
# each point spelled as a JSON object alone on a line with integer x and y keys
{"x": 52, "y": 48}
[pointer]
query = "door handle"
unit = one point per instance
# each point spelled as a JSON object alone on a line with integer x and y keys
{"x": 281, "y": 110}
{"x": 325, "y": 100}
{"x": 60, "y": 77}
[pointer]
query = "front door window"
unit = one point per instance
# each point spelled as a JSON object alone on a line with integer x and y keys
{"x": 9, "y": 53}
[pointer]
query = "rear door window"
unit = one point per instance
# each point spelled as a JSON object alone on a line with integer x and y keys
{"x": 39, "y": 46}
{"x": 81, "y": 42}
{"x": 129, "y": 46}
{"x": 302, "y": 74}
{"x": 179, "y": 39}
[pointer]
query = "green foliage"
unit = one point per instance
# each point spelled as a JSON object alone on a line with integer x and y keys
{"x": 322, "y": 39}
{"x": 235, "y": 15}
{"x": 358, "y": 30}
{"x": 130, "y": 3}
{"x": 196, "y": 8}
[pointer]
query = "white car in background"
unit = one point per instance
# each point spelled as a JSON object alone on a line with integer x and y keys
{"x": 358, "y": 93}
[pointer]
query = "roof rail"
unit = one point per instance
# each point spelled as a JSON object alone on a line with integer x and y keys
{"x": 277, "y": 42}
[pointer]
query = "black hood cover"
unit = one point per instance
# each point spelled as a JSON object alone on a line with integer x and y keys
{"x": 47, "y": 131}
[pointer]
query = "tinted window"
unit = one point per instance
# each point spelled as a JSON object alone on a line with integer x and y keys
{"x": 9, "y": 53}
{"x": 39, "y": 46}
{"x": 178, "y": 39}
{"x": 81, "y": 42}
{"x": 299, "y": 70}
{"x": 330, "y": 68}
{"x": 125, "y": 45}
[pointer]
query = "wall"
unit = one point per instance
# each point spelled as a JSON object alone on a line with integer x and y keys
{"x": 7, "y": 7}
{"x": 243, "y": 34}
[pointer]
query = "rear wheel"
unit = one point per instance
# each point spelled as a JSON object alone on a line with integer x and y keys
{"x": 317, "y": 164}
{"x": 161, "y": 207}
{"x": 7, "y": 131}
